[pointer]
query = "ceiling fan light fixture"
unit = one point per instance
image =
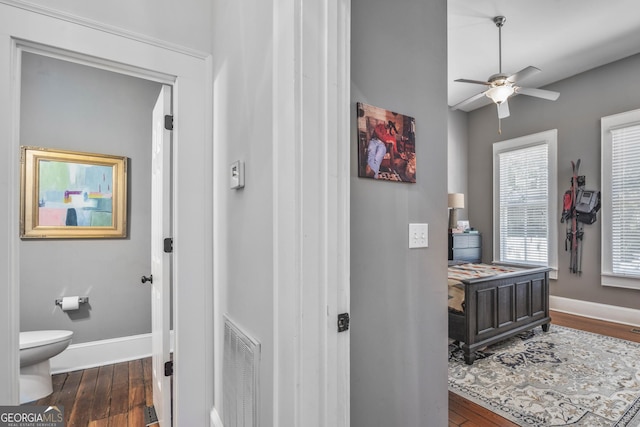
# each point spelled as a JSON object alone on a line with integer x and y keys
{"x": 499, "y": 94}
{"x": 502, "y": 86}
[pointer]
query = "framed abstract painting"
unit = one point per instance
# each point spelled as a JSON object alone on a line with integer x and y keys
{"x": 69, "y": 194}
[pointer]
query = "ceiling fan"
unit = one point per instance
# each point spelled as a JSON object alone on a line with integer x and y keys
{"x": 503, "y": 86}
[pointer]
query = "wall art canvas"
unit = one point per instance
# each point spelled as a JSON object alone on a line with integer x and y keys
{"x": 386, "y": 144}
{"x": 68, "y": 194}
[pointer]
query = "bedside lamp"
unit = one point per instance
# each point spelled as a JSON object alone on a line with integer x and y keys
{"x": 456, "y": 201}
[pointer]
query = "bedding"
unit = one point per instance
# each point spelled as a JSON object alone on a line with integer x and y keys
{"x": 460, "y": 272}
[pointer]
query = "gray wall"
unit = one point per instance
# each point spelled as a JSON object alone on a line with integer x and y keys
{"x": 398, "y": 296}
{"x": 457, "y": 157}
{"x": 73, "y": 107}
{"x": 584, "y": 99}
{"x": 242, "y": 69}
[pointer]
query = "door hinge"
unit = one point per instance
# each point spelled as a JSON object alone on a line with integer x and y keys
{"x": 168, "y": 368}
{"x": 343, "y": 322}
{"x": 168, "y": 122}
{"x": 168, "y": 245}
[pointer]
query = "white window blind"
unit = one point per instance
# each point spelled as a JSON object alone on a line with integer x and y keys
{"x": 625, "y": 200}
{"x": 524, "y": 194}
{"x": 525, "y": 190}
{"x": 620, "y": 213}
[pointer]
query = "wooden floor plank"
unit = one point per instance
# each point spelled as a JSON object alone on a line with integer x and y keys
{"x": 136, "y": 384}
{"x": 67, "y": 395}
{"x": 102, "y": 398}
{"x": 111, "y": 395}
{"x": 136, "y": 416}
{"x": 147, "y": 370}
{"x": 474, "y": 413}
{"x": 617, "y": 330}
{"x": 120, "y": 390}
{"x": 104, "y": 422}
{"x": 81, "y": 412}
{"x": 118, "y": 420}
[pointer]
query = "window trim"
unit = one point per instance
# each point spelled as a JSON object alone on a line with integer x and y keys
{"x": 607, "y": 124}
{"x": 550, "y": 138}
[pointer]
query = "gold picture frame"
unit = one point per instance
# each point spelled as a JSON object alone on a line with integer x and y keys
{"x": 72, "y": 195}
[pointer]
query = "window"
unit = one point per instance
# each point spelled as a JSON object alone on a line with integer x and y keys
{"x": 621, "y": 200}
{"x": 525, "y": 200}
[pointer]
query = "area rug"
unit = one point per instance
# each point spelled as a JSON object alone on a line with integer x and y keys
{"x": 563, "y": 377}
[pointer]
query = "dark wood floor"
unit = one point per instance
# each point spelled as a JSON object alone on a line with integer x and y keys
{"x": 117, "y": 395}
{"x": 108, "y": 396}
{"x": 463, "y": 412}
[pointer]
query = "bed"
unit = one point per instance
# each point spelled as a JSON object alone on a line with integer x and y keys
{"x": 489, "y": 303}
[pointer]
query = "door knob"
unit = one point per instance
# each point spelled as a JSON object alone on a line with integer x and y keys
{"x": 146, "y": 279}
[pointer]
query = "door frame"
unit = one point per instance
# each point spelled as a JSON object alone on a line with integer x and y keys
{"x": 311, "y": 163}
{"x": 189, "y": 72}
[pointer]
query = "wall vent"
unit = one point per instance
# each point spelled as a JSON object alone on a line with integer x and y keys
{"x": 239, "y": 377}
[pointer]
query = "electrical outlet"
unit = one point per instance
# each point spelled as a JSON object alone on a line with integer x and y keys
{"x": 418, "y": 236}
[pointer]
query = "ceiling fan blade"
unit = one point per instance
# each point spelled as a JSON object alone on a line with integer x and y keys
{"x": 523, "y": 74}
{"x": 478, "y": 82}
{"x": 538, "y": 93}
{"x": 467, "y": 101}
{"x": 503, "y": 109}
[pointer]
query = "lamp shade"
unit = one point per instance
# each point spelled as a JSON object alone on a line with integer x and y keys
{"x": 456, "y": 200}
{"x": 499, "y": 94}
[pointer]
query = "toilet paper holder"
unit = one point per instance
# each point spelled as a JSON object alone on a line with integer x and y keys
{"x": 81, "y": 300}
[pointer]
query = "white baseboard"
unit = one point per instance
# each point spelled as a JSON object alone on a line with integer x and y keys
{"x": 215, "y": 419}
{"x": 609, "y": 313}
{"x": 104, "y": 352}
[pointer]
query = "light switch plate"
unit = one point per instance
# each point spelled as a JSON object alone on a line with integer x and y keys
{"x": 418, "y": 236}
{"x": 236, "y": 175}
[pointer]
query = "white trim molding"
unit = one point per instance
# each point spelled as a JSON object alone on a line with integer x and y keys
{"x": 593, "y": 310}
{"x": 100, "y": 353}
{"x": 103, "y": 352}
{"x": 311, "y": 86}
{"x": 106, "y": 28}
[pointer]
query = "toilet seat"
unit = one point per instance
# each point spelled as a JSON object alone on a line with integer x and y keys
{"x": 32, "y": 339}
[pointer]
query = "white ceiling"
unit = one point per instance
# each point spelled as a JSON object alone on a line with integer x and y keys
{"x": 561, "y": 37}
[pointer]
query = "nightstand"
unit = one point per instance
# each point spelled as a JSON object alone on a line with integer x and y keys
{"x": 465, "y": 247}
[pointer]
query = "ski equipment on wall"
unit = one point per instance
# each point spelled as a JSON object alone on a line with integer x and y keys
{"x": 579, "y": 207}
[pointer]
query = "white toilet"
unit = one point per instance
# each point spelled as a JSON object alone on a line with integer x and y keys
{"x": 36, "y": 348}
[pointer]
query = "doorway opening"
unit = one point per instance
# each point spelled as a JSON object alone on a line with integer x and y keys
{"x": 72, "y": 103}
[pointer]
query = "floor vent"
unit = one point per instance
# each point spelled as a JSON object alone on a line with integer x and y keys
{"x": 635, "y": 330}
{"x": 150, "y": 416}
{"x": 239, "y": 377}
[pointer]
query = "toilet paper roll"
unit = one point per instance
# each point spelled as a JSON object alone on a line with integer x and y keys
{"x": 70, "y": 303}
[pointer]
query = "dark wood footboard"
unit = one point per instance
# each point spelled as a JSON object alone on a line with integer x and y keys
{"x": 499, "y": 307}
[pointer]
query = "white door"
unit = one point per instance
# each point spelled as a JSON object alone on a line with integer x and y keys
{"x": 161, "y": 260}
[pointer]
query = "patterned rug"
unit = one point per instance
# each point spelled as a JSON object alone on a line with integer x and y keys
{"x": 564, "y": 377}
